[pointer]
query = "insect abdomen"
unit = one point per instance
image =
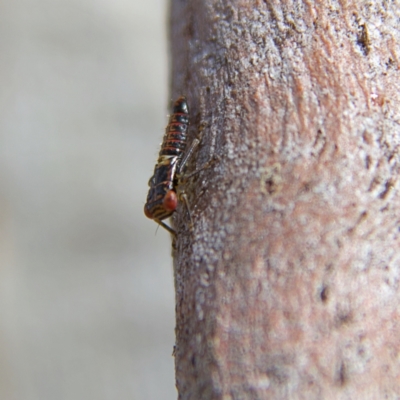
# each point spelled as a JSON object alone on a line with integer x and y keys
{"x": 174, "y": 142}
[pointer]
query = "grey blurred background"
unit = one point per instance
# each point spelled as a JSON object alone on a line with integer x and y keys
{"x": 86, "y": 285}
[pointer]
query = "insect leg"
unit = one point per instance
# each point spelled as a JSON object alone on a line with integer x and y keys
{"x": 187, "y": 155}
{"x": 205, "y": 166}
{"x": 185, "y": 200}
{"x": 165, "y": 226}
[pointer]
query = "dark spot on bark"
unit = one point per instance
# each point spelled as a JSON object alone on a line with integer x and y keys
{"x": 374, "y": 183}
{"x": 368, "y": 162}
{"x": 306, "y": 186}
{"x": 361, "y": 218}
{"x": 190, "y": 27}
{"x": 319, "y": 143}
{"x": 343, "y": 318}
{"x": 271, "y": 180}
{"x": 367, "y": 137}
{"x": 392, "y": 156}
{"x": 193, "y": 360}
{"x": 363, "y": 39}
{"x": 386, "y": 190}
{"x": 342, "y": 375}
{"x": 277, "y": 374}
{"x": 324, "y": 294}
{"x": 270, "y": 186}
{"x": 390, "y": 63}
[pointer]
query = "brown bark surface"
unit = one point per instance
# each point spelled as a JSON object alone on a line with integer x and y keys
{"x": 287, "y": 287}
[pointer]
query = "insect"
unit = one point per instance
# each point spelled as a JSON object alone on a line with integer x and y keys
{"x": 162, "y": 199}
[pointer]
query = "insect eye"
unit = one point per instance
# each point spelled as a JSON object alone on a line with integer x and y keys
{"x": 170, "y": 201}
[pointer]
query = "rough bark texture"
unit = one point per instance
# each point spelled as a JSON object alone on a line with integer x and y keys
{"x": 287, "y": 287}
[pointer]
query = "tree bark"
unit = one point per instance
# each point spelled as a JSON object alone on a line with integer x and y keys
{"x": 287, "y": 286}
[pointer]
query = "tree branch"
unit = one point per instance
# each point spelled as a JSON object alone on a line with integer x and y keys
{"x": 288, "y": 284}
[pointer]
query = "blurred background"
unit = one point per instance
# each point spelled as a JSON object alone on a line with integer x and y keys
{"x": 86, "y": 284}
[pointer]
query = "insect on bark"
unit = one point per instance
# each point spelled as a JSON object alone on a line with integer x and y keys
{"x": 162, "y": 199}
